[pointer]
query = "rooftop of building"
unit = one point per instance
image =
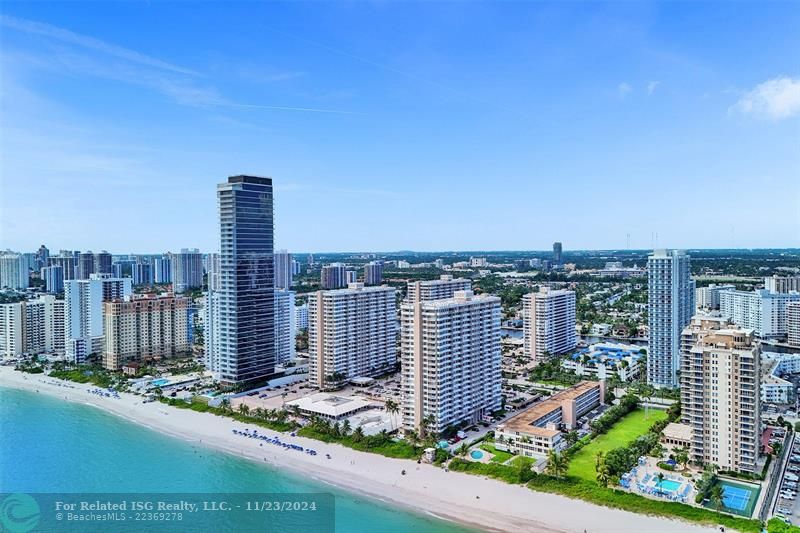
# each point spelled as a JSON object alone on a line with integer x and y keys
{"x": 601, "y": 352}
{"x": 678, "y": 431}
{"x": 444, "y": 278}
{"x": 354, "y": 288}
{"x": 460, "y": 298}
{"x": 523, "y": 422}
{"x": 770, "y": 373}
{"x": 329, "y": 404}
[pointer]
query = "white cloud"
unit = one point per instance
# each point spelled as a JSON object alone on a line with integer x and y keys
{"x": 623, "y": 89}
{"x": 66, "y": 36}
{"x": 651, "y": 86}
{"x": 775, "y": 99}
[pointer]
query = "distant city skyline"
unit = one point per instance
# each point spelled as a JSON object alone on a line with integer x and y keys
{"x": 394, "y": 126}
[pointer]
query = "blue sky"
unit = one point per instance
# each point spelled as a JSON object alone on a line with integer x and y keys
{"x": 399, "y": 125}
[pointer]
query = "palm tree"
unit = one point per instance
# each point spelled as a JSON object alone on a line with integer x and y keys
{"x": 717, "y": 493}
{"x": 660, "y": 477}
{"x": 556, "y": 464}
{"x": 646, "y": 391}
{"x": 604, "y": 475}
{"x": 244, "y": 409}
{"x": 225, "y": 405}
{"x": 598, "y": 461}
{"x": 392, "y": 408}
{"x": 462, "y": 450}
{"x": 345, "y": 427}
{"x": 426, "y": 424}
{"x": 682, "y": 457}
{"x": 358, "y": 434}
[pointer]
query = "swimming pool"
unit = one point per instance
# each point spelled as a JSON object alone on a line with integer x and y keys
{"x": 160, "y": 382}
{"x": 669, "y": 485}
{"x": 476, "y": 454}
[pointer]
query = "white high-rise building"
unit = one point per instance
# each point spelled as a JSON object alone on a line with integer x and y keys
{"x": 444, "y": 287}
{"x": 477, "y": 262}
{"x": 162, "y": 269}
{"x": 213, "y": 271}
{"x": 451, "y": 359}
{"x": 283, "y": 270}
{"x": 285, "y": 326}
{"x": 13, "y": 271}
{"x": 301, "y": 316}
{"x": 352, "y": 333}
{"x": 83, "y": 313}
{"x": 793, "y": 323}
{"x": 782, "y": 283}
{"x": 211, "y": 331}
{"x": 44, "y": 325}
{"x": 548, "y": 323}
{"x": 187, "y": 270}
{"x": 53, "y": 277}
{"x": 333, "y": 276}
{"x": 670, "y": 305}
{"x": 708, "y": 297}
{"x": 67, "y": 263}
{"x": 760, "y": 310}
{"x": 12, "y": 326}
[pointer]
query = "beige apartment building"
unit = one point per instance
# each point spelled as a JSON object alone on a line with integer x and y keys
{"x": 537, "y": 430}
{"x": 143, "y": 327}
{"x": 720, "y": 377}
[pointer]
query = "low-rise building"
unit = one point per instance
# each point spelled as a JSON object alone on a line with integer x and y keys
{"x": 605, "y": 360}
{"x": 774, "y": 389}
{"x": 774, "y": 368}
{"x": 677, "y": 436}
{"x": 330, "y": 406}
{"x": 537, "y": 430}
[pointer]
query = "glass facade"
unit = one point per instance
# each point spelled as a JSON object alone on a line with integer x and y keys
{"x": 247, "y": 310}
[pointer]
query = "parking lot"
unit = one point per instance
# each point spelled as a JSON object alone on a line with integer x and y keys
{"x": 787, "y": 506}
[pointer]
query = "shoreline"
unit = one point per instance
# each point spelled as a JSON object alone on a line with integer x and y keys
{"x": 472, "y": 501}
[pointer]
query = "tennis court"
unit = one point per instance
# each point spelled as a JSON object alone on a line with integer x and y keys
{"x": 738, "y": 498}
{"x": 735, "y": 498}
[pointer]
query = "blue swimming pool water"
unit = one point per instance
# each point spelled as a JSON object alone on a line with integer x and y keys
{"x": 159, "y": 382}
{"x": 669, "y": 485}
{"x": 476, "y": 454}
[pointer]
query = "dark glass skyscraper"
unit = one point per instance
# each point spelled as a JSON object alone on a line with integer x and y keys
{"x": 557, "y": 253}
{"x": 246, "y": 319}
{"x": 102, "y": 263}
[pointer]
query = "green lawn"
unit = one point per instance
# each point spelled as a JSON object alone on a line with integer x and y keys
{"x": 520, "y": 461}
{"x": 500, "y": 456}
{"x": 626, "y": 430}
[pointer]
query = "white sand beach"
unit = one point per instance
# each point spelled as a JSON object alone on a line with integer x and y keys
{"x": 472, "y": 500}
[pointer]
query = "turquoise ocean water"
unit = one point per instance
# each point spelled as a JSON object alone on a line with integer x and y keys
{"x": 47, "y": 445}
